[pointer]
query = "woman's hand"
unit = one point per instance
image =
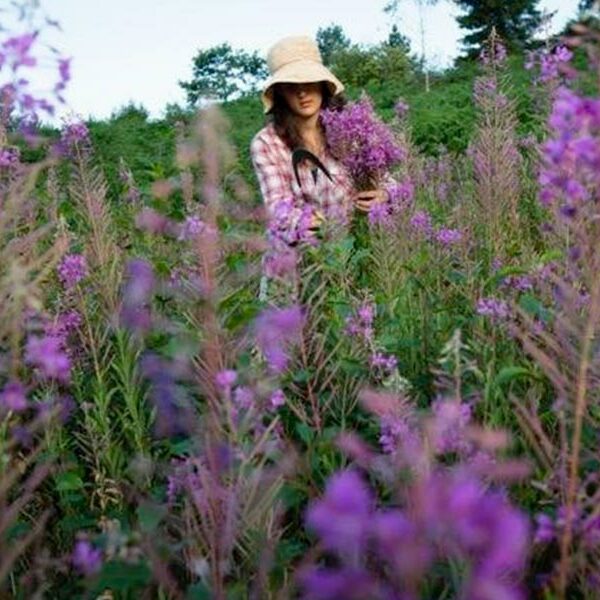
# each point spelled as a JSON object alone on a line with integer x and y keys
{"x": 315, "y": 222}
{"x": 366, "y": 200}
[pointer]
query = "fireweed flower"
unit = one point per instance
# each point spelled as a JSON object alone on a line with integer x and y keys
{"x": 493, "y": 307}
{"x": 361, "y": 324}
{"x": 243, "y": 397}
{"x": 570, "y": 174}
{"x": 401, "y": 109}
{"x": 386, "y": 362}
{"x": 275, "y": 330}
{"x": 362, "y": 142}
{"x": 72, "y": 269}
{"x": 73, "y": 135}
{"x": 277, "y": 399}
{"x": 13, "y": 397}
{"x": 421, "y": 223}
{"x": 137, "y": 295}
{"x": 450, "y": 419}
{"x": 225, "y": 379}
{"x": 448, "y": 237}
{"x": 191, "y": 228}
{"x": 10, "y": 157}
{"x": 48, "y": 355}
{"x": 341, "y": 517}
{"x": 86, "y": 558}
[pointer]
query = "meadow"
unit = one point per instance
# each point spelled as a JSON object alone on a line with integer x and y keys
{"x": 411, "y": 411}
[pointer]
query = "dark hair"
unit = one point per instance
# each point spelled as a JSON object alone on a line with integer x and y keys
{"x": 283, "y": 119}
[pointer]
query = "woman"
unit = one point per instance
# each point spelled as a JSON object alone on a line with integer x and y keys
{"x": 299, "y": 87}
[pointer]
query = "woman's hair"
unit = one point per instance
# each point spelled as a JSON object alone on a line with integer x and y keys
{"x": 283, "y": 119}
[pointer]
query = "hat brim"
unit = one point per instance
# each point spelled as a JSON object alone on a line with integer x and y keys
{"x": 300, "y": 71}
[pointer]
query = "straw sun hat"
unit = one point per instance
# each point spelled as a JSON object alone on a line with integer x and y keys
{"x": 296, "y": 59}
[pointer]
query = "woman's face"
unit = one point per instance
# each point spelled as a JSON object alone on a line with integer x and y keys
{"x": 304, "y": 99}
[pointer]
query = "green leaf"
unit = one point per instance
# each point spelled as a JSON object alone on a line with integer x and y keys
{"x": 122, "y": 577}
{"x": 305, "y": 433}
{"x": 150, "y": 516}
{"x": 508, "y": 374}
{"x": 68, "y": 482}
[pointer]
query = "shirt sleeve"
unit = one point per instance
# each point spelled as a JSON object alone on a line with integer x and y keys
{"x": 287, "y": 215}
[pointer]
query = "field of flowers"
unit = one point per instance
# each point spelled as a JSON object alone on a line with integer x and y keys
{"x": 407, "y": 409}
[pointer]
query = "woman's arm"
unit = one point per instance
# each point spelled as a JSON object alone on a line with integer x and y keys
{"x": 286, "y": 213}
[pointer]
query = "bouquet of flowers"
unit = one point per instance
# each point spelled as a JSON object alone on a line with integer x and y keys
{"x": 362, "y": 142}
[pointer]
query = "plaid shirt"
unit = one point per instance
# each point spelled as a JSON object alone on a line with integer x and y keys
{"x": 272, "y": 160}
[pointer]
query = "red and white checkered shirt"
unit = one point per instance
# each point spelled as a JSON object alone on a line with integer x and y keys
{"x": 272, "y": 160}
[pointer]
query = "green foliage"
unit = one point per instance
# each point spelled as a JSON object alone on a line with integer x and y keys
{"x": 330, "y": 40}
{"x": 220, "y": 72}
{"x": 515, "y": 22}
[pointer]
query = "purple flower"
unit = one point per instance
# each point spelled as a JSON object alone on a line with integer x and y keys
{"x": 139, "y": 282}
{"x": 448, "y": 237}
{"x": 401, "y": 196}
{"x": 74, "y": 134}
{"x": 361, "y": 324}
{"x": 47, "y": 354}
{"x": 363, "y": 143}
{"x": 243, "y": 397}
{"x": 277, "y": 399}
{"x": 276, "y": 329}
{"x": 421, "y": 222}
{"x": 72, "y": 269}
{"x": 152, "y": 221}
{"x": 545, "y": 530}
{"x": 16, "y": 51}
{"x": 449, "y": 426}
{"x": 10, "y": 157}
{"x": 13, "y": 397}
{"x": 86, "y": 558}
{"x": 401, "y": 109}
{"x": 342, "y": 516}
{"x": 386, "y": 362}
{"x": 380, "y": 215}
{"x": 493, "y": 307}
{"x": 347, "y": 583}
{"x": 225, "y": 379}
{"x": 191, "y": 228}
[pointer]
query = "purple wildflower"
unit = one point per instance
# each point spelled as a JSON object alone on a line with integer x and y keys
{"x": 225, "y": 379}
{"x": 16, "y": 51}
{"x": 10, "y": 157}
{"x": 401, "y": 196}
{"x": 13, "y": 397}
{"x": 545, "y": 530}
{"x": 361, "y": 324}
{"x": 47, "y": 354}
{"x": 341, "y": 517}
{"x": 243, "y": 397}
{"x": 493, "y": 307}
{"x": 275, "y": 330}
{"x": 74, "y": 134}
{"x": 401, "y": 109}
{"x": 86, "y": 558}
{"x": 152, "y": 221}
{"x": 277, "y": 399}
{"x": 363, "y": 143}
{"x": 421, "y": 223}
{"x": 191, "y": 228}
{"x": 72, "y": 269}
{"x": 386, "y": 362}
{"x": 448, "y": 237}
{"x": 448, "y": 426}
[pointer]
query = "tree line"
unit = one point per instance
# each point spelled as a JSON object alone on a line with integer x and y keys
{"x": 224, "y": 73}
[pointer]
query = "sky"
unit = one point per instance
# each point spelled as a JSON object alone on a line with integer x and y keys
{"x": 137, "y": 50}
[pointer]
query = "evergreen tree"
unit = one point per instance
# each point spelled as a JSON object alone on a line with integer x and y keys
{"x": 397, "y": 40}
{"x": 331, "y": 39}
{"x": 515, "y": 22}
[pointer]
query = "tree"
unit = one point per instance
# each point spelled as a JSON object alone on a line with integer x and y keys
{"x": 222, "y": 73}
{"x": 393, "y": 6}
{"x": 397, "y": 40}
{"x": 331, "y": 39}
{"x": 515, "y": 22}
